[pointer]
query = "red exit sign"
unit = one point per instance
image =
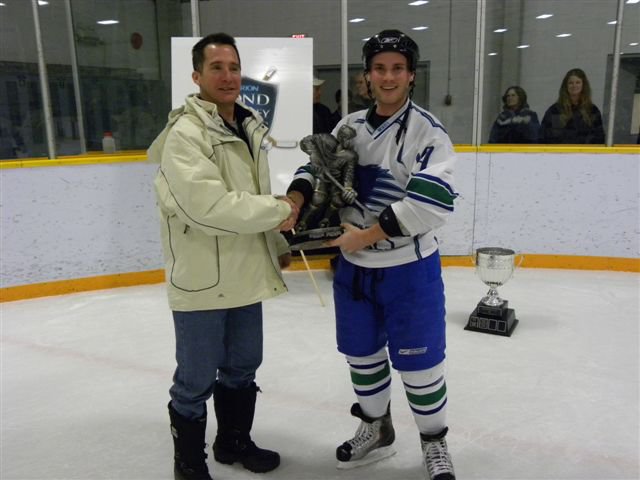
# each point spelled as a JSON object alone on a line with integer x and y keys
{"x": 298, "y": 35}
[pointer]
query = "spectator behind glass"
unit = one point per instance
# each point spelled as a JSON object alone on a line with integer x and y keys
{"x": 517, "y": 123}
{"x": 323, "y": 121}
{"x": 336, "y": 116}
{"x": 361, "y": 99}
{"x": 573, "y": 118}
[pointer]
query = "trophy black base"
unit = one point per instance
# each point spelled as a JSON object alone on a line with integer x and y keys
{"x": 315, "y": 238}
{"x": 499, "y": 320}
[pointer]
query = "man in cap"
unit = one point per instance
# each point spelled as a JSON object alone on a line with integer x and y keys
{"x": 323, "y": 119}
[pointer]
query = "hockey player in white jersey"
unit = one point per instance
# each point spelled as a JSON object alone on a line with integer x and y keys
{"x": 388, "y": 288}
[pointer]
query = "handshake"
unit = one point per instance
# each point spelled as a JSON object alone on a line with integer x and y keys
{"x": 289, "y": 222}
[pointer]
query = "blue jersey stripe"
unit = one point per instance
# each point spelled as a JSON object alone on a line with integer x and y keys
{"x": 431, "y": 120}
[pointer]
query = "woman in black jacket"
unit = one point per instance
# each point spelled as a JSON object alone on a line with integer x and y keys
{"x": 573, "y": 118}
{"x": 517, "y": 123}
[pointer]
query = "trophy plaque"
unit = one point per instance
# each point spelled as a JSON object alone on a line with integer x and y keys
{"x": 314, "y": 238}
{"x": 494, "y": 266}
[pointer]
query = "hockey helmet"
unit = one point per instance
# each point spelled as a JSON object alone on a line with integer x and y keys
{"x": 391, "y": 41}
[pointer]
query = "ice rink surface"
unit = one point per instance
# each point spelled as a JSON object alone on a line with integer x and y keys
{"x": 85, "y": 379}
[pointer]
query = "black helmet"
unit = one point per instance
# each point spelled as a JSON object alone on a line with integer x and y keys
{"x": 391, "y": 41}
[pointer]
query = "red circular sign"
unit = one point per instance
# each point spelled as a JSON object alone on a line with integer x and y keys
{"x": 136, "y": 40}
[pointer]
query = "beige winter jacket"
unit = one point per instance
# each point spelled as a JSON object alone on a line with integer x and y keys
{"x": 218, "y": 216}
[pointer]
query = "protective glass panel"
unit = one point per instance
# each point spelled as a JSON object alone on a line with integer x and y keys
{"x": 54, "y": 28}
{"x": 22, "y": 130}
{"x": 319, "y": 20}
{"x": 445, "y": 33}
{"x": 626, "y": 127}
{"x": 533, "y": 45}
{"x": 123, "y": 51}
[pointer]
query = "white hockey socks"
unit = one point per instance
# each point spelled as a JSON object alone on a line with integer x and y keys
{"x": 371, "y": 379}
{"x": 426, "y": 392}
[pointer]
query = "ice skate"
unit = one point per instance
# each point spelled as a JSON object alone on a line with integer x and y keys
{"x": 371, "y": 442}
{"x": 436, "y": 458}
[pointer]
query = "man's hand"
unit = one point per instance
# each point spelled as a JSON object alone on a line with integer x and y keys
{"x": 284, "y": 260}
{"x": 297, "y": 198}
{"x": 354, "y": 238}
{"x": 292, "y": 219}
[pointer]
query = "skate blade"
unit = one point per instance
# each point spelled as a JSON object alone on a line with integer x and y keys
{"x": 374, "y": 456}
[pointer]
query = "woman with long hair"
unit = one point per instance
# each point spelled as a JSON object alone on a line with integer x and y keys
{"x": 517, "y": 123}
{"x": 573, "y": 118}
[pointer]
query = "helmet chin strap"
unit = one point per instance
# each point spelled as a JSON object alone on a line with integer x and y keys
{"x": 405, "y": 117}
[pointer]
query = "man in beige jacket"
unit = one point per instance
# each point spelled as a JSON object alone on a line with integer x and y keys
{"x": 223, "y": 255}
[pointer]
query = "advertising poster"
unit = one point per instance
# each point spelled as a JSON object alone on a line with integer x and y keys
{"x": 277, "y": 76}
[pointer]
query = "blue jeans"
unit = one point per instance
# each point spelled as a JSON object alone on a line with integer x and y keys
{"x": 223, "y": 345}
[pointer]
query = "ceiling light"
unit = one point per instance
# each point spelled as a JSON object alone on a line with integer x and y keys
{"x": 633, "y": 44}
{"x": 612, "y": 22}
{"x": 42, "y": 2}
{"x": 500, "y": 30}
{"x": 356, "y": 20}
{"x": 633, "y": 1}
{"x": 3, "y": 4}
{"x": 421, "y": 27}
{"x": 418, "y": 3}
{"x": 563, "y": 35}
{"x": 545, "y": 15}
{"x": 107, "y": 22}
{"x": 523, "y": 46}
{"x": 493, "y": 54}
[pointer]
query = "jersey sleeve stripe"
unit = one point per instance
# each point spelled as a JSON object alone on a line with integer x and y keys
{"x": 431, "y": 178}
{"x": 430, "y": 119}
{"x": 432, "y": 190}
{"x": 430, "y": 201}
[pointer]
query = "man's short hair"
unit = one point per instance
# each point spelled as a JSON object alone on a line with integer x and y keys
{"x": 197, "y": 53}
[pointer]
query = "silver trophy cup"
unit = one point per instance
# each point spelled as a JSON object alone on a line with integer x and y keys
{"x": 495, "y": 267}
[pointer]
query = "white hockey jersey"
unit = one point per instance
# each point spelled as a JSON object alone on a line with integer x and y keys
{"x": 412, "y": 172}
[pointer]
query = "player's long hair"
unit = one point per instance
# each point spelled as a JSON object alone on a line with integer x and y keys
{"x": 584, "y": 102}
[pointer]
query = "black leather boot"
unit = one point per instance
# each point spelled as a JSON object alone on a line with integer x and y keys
{"x": 235, "y": 410}
{"x": 189, "y": 458}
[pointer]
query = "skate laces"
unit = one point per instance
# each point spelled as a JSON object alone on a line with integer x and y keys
{"x": 364, "y": 434}
{"x": 436, "y": 457}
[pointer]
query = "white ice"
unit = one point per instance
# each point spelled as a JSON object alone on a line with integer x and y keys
{"x": 85, "y": 381}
